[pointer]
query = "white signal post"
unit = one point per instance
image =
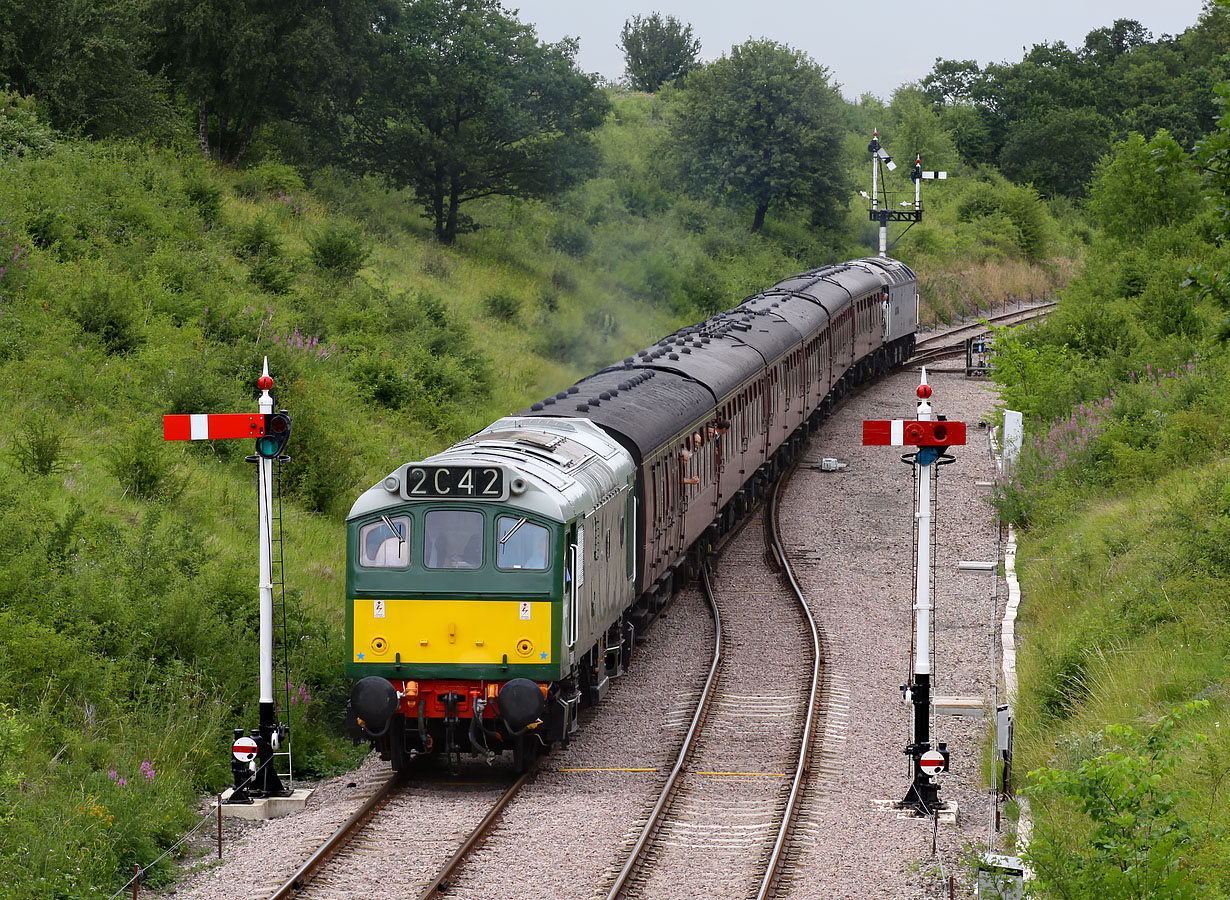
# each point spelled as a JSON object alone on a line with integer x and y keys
{"x": 264, "y": 480}
{"x": 932, "y": 439}
{"x": 222, "y": 426}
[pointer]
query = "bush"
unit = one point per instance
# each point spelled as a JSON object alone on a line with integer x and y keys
{"x": 571, "y": 238}
{"x": 38, "y": 449}
{"x": 339, "y": 249}
{"x": 503, "y": 306}
{"x": 260, "y": 237}
{"x": 106, "y": 311}
{"x": 23, "y": 130}
{"x": 382, "y": 381}
{"x": 139, "y": 461}
{"x": 272, "y": 274}
{"x": 205, "y": 196}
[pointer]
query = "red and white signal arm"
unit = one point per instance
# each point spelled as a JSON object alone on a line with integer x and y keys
{"x": 912, "y": 433}
{"x": 932, "y": 762}
{"x": 212, "y": 427}
{"x": 244, "y": 749}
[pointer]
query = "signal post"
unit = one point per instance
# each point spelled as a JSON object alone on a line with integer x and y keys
{"x": 252, "y": 764}
{"x": 932, "y": 438}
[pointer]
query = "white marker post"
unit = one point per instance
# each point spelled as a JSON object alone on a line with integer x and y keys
{"x": 932, "y": 438}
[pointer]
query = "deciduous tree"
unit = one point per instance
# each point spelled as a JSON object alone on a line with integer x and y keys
{"x": 241, "y": 64}
{"x": 87, "y": 62}
{"x": 762, "y": 126}
{"x": 657, "y": 51}
{"x": 465, "y": 102}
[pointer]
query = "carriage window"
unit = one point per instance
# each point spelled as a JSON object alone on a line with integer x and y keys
{"x": 453, "y": 539}
{"x": 385, "y": 544}
{"x": 521, "y": 544}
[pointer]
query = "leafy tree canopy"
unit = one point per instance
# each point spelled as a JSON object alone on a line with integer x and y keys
{"x": 1024, "y": 116}
{"x": 244, "y": 63}
{"x": 464, "y": 102}
{"x": 88, "y": 62}
{"x": 657, "y": 51}
{"x": 1132, "y": 195}
{"x": 762, "y": 126}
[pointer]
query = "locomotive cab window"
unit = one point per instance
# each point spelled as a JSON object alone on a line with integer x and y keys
{"x": 520, "y": 544}
{"x": 385, "y": 544}
{"x": 453, "y": 539}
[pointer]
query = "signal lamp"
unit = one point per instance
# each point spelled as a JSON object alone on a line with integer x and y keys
{"x": 277, "y": 435}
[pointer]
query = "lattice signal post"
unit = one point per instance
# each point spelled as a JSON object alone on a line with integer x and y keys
{"x": 882, "y": 209}
{"x": 272, "y": 432}
{"x": 932, "y": 438}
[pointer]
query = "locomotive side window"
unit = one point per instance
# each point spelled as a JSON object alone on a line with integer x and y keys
{"x": 520, "y": 544}
{"x": 385, "y": 544}
{"x": 453, "y": 539}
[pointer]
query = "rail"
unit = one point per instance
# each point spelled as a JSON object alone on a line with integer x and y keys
{"x": 803, "y": 767}
{"x": 668, "y": 790}
{"x": 339, "y": 839}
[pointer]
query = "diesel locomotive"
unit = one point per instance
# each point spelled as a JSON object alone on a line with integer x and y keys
{"x": 495, "y": 588}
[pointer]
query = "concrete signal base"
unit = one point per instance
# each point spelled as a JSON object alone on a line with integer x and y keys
{"x": 265, "y": 807}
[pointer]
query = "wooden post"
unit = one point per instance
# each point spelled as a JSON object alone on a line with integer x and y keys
{"x": 935, "y": 830}
{"x": 136, "y": 880}
{"x": 219, "y": 826}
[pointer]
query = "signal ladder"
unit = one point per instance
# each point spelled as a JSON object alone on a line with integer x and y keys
{"x": 281, "y": 647}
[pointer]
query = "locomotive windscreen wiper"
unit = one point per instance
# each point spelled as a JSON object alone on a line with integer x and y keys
{"x": 388, "y": 523}
{"x": 513, "y": 530}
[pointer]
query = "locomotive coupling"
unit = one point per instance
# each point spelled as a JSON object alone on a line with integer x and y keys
{"x": 374, "y": 700}
{"x": 521, "y": 703}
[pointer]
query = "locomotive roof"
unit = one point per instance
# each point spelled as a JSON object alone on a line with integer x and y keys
{"x": 568, "y": 466}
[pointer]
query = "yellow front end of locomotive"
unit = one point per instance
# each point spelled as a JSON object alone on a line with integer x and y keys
{"x": 424, "y": 632}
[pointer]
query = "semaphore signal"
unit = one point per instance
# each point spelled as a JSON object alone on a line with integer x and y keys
{"x": 882, "y": 210}
{"x": 932, "y": 438}
{"x": 252, "y": 767}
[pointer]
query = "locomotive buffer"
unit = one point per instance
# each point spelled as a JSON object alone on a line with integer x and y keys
{"x": 932, "y": 438}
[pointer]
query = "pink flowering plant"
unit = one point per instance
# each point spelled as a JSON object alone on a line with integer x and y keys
{"x": 1136, "y": 431}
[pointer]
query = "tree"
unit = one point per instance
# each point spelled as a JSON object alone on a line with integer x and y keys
{"x": 87, "y": 62}
{"x": 1132, "y": 195}
{"x": 465, "y": 103}
{"x": 952, "y": 81}
{"x": 1056, "y": 152}
{"x": 657, "y": 51}
{"x": 1104, "y": 45}
{"x": 761, "y": 126}
{"x": 914, "y": 127}
{"x": 244, "y": 63}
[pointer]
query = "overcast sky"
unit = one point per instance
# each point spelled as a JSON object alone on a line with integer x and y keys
{"x": 868, "y": 47}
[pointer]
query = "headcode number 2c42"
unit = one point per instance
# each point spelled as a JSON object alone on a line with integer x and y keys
{"x": 473, "y": 482}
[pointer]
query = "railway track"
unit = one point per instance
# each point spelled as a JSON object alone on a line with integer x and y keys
{"x": 343, "y": 864}
{"x": 952, "y": 342}
{"x": 726, "y": 812}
